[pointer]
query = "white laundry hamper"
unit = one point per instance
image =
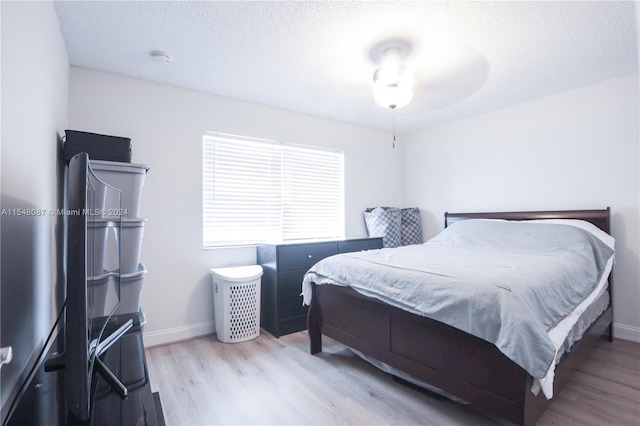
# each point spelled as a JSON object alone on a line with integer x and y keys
{"x": 236, "y": 300}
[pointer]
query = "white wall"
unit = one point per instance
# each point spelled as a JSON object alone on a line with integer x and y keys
{"x": 166, "y": 125}
{"x": 574, "y": 150}
{"x": 35, "y": 76}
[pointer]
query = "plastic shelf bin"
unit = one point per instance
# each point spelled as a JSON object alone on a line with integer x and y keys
{"x": 131, "y": 285}
{"x": 131, "y": 233}
{"x": 127, "y": 177}
{"x": 236, "y": 300}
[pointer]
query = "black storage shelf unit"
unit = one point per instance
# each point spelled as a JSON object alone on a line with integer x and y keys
{"x": 284, "y": 266}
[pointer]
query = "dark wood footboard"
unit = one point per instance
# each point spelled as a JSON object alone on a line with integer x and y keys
{"x": 447, "y": 358}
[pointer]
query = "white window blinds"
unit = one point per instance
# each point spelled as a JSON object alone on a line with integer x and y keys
{"x": 256, "y": 190}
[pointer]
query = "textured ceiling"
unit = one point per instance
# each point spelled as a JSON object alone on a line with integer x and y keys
{"x": 319, "y": 57}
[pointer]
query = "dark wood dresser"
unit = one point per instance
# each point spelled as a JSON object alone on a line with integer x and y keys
{"x": 284, "y": 266}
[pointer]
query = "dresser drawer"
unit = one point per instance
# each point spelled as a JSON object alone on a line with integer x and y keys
{"x": 291, "y": 325}
{"x": 304, "y": 256}
{"x": 290, "y": 282}
{"x": 291, "y": 306}
{"x": 348, "y": 246}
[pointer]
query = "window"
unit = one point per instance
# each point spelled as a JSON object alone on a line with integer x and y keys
{"x": 257, "y": 190}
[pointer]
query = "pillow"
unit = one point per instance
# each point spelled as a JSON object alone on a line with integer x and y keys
{"x": 384, "y": 222}
{"x": 411, "y": 226}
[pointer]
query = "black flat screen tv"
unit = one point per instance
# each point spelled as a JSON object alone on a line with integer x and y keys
{"x": 92, "y": 293}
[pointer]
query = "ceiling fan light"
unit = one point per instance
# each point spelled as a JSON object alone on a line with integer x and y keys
{"x": 392, "y": 96}
{"x": 393, "y": 73}
{"x": 393, "y": 85}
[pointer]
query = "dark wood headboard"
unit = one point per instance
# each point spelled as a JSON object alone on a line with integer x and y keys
{"x": 599, "y": 218}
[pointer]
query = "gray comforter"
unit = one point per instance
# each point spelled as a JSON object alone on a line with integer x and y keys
{"x": 506, "y": 282}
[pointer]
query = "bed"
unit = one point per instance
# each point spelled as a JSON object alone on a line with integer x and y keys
{"x": 456, "y": 363}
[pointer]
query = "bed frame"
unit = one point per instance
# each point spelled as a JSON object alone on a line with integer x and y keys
{"x": 445, "y": 357}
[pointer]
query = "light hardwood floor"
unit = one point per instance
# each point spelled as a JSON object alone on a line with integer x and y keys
{"x": 269, "y": 381}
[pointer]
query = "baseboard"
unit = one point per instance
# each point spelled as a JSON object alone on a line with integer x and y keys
{"x": 625, "y": 332}
{"x": 172, "y": 335}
